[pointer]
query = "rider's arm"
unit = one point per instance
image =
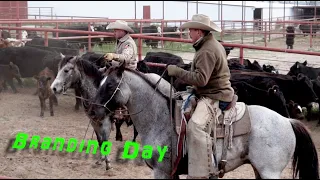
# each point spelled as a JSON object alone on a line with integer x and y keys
{"x": 127, "y": 54}
{"x": 204, "y": 64}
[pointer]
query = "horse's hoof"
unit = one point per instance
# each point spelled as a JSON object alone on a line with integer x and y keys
{"x": 108, "y": 166}
{"x": 98, "y": 162}
{"x": 213, "y": 177}
{"x": 51, "y": 114}
{"x": 118, "y": 138}
{"x": 318, "y": 125}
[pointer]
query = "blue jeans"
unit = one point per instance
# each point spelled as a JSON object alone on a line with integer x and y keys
{"x": 223, "y": 105}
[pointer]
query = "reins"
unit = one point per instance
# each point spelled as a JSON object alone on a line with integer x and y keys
{"x": 124, "y": 114}
{"x": 105, "y": 105}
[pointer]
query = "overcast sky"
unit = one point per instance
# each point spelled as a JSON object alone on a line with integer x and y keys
{"x": 173, "y": 10}
{"x": 114, "y": 9}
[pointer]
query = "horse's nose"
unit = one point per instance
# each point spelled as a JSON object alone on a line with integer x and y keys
{"x": 54, "y": 90}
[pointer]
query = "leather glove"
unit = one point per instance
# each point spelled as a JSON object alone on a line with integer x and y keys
{"x": 173, "y": 70}
{"x": 111, "y": 56}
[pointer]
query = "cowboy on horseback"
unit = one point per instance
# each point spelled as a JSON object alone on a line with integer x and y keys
{"x": 126, "y": 48}
{"x": 126, "y": 51}
{"x": 210, "y": 78}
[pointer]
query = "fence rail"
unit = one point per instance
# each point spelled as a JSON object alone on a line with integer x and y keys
{"x": 141, "y": 36}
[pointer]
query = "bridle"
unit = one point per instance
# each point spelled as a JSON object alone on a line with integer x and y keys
{"x": 118, "y": 89}
{"x": 113, "y": 94}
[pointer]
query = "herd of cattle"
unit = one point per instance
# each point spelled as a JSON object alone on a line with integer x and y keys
{"x": 254, "y": 84}
{"x": 83, "y": 42}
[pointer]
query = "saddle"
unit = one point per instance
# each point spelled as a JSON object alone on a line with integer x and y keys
{"x": 236, "y": 112}
{"x": 233, "y": 121}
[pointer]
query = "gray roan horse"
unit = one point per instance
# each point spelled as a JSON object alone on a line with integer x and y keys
{"x": 273, "y": 139}
{"x": 73, "y": 70}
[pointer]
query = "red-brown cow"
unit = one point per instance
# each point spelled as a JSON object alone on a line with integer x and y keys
{"x": 45, "y": 79}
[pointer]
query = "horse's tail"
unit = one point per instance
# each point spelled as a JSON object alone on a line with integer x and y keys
{"x": 305, "y": 158}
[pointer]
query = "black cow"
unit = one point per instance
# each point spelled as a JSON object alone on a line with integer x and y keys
{"x": 270, "y": 69}
{"x": 171, "y": 29}
{"x": 295, "y": 110}
{"x": 298, "y": 67}
{"x": 82, "y": 41}
{"x": 272, "y": 98}
{"x": 32, "y": 34}
{"x": 104, "y": 40}
{"x": 5, "y": 34}
{"x": 32, "y": 60}
{"x": 7, "y": 73}
{"x": 228, "y": 49}
{"x": 55, "y": 45}
{"x": 148, "y": 29}
{"x": 306, "y": 29}
{"x": 234, "y": 64}
{"x": 310, "y": 72}
{"x": 161, "y": 57}
{"x": 297, "y": 88}
{"x": 316, "y": 88}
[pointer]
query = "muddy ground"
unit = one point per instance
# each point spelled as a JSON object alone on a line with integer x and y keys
{"x": 20, "y": 113}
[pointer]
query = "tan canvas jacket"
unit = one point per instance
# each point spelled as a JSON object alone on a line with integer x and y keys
{"x": 210, "y": 74}
{"x": 126, "y": 48}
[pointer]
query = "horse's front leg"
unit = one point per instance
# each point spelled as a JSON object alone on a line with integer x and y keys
{"x": 103, "y": 132}
{"x": 160, "y": 174}
{"x": 102, "y": 158}
{"x": 104, "y": 137}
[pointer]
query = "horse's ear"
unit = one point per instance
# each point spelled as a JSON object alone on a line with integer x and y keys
{"x": 73, "y": 59}
{"x": 121, "y": 68}
{"x": 62, "y": 56}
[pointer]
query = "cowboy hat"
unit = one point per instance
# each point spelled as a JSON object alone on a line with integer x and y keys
{"x": 119, "y": 24}
{"x": 200, "y": 21}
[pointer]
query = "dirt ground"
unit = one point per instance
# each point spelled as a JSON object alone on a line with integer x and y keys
{"x": 20, "y": 113}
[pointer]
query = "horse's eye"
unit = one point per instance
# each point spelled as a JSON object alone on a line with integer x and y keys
{"x": 66, "y": 71}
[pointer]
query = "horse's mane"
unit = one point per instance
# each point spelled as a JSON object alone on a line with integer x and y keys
{"x": 143, "y": 76}
{"x": 85, "y": 66}
{"x": 90, "y": 69}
